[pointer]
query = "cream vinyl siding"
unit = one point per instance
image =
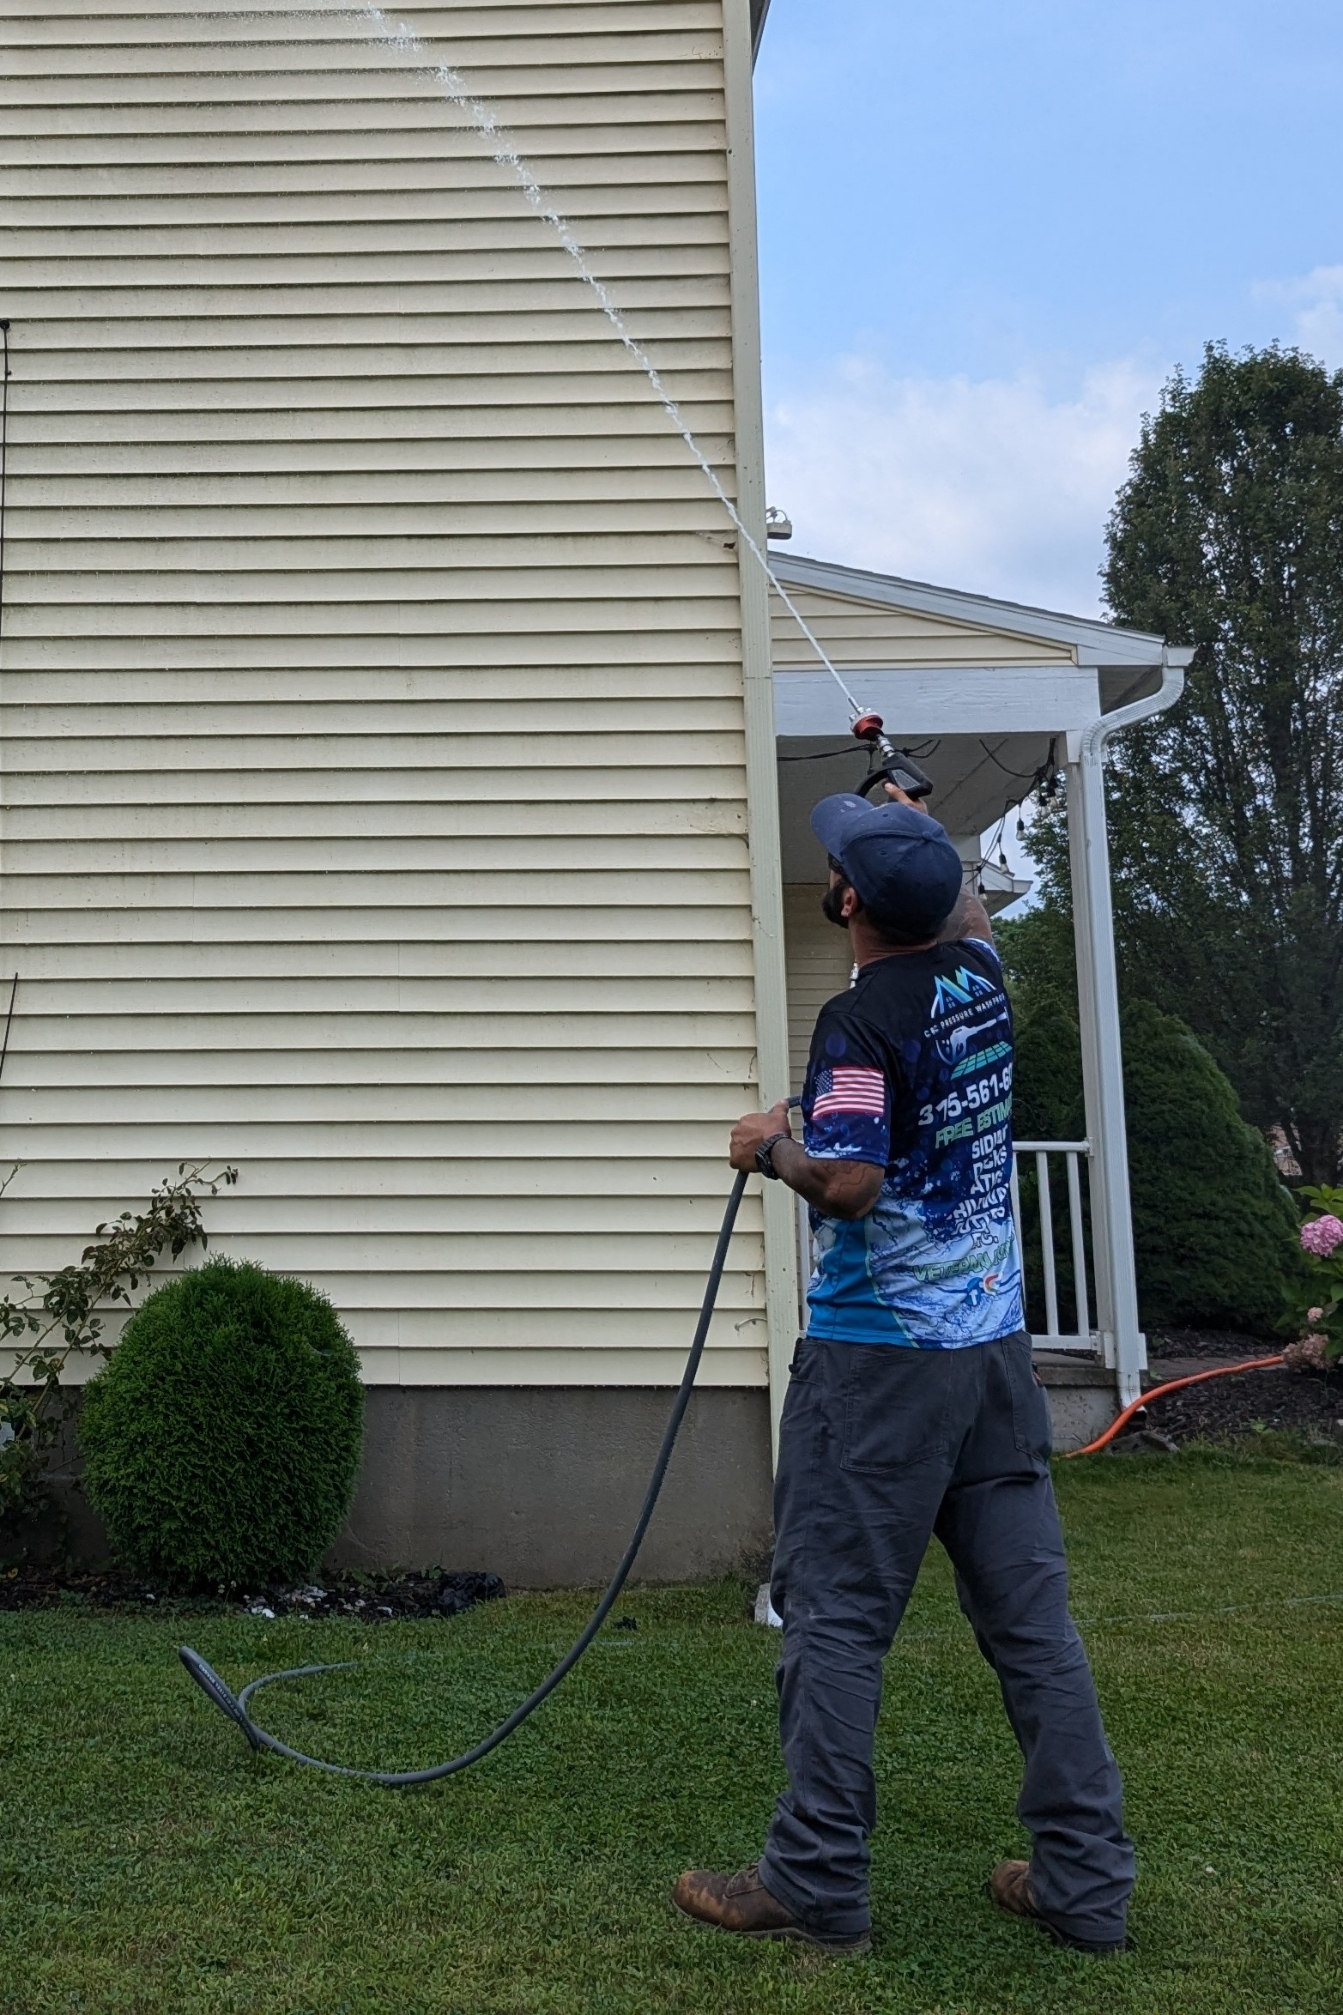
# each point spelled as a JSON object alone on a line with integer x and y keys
{"x": 857, "y": 633}
{"x": 819, "y": 963}
{"x": 373, "y": 789}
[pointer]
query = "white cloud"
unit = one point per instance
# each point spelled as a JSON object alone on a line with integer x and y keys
{"x": 1319, "y": 311}
{"x": 989, "y": 485}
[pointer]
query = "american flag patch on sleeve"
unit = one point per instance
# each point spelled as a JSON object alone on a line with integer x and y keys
{"x": 849, "y": 1088}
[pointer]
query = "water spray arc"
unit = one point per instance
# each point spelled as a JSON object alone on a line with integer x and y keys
{"x": 400, "y": 36}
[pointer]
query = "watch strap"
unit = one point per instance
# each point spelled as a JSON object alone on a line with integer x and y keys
{"x": 764, "y": 1155}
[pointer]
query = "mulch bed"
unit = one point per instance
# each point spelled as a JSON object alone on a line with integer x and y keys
{"x": 1221, "y": 1344}
{"x": 372, "y": 1598}
{"x": 1304, "y": 1403}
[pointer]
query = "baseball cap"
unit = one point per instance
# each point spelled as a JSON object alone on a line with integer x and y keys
{"x": 900, "y": 861}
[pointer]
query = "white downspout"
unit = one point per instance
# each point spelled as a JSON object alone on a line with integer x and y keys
{"x": 1122, "y": 1340}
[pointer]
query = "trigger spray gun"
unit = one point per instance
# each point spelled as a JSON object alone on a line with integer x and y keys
{"x": 896, "y": 766}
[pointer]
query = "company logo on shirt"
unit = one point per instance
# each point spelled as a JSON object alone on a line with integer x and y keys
{"x": 955, "y": 993}
{"x": 982, "y": 1058}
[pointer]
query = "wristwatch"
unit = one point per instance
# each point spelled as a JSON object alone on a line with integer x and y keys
{"x": 764, "y": 1155}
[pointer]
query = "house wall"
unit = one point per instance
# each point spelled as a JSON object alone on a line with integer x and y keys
{"x": 374, "y": 805}
{"x": 819, "y": 963}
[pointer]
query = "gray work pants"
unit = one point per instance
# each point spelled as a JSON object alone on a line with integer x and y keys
{"x": 880, "y": 1448}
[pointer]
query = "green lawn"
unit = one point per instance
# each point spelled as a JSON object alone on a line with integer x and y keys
{"x": 149, "y": 1862}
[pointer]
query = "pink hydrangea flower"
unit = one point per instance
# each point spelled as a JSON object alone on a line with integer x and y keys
{"x": 1314, "y": 1315}
{"x": 1322, "y": 1236}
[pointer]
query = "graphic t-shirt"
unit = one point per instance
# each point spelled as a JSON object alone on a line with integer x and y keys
{"x": 912, "y": 1070}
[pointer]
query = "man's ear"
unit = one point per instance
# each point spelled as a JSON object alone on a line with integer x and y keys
{"x": 850, "y": 903}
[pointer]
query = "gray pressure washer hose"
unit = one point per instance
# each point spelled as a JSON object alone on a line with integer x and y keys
{"x": 236, "y": 1705}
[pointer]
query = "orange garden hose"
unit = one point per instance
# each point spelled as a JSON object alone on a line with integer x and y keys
{"x": 1172, "y": 1385}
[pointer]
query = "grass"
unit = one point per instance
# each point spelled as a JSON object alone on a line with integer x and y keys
{"x": 149, "y": 1862}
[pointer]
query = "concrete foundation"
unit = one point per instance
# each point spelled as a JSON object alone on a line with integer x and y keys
{"x": 543, "y": 1484}
{"x": 1081, "y": 1394}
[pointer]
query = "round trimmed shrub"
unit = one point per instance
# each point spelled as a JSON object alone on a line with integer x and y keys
{"x": 222, "y": 1439}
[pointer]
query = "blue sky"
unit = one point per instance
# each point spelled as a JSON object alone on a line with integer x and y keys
{"x": 989, "y": 231}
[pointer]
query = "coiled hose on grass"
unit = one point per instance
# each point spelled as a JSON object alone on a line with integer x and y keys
{"x": 236, "y": 1706}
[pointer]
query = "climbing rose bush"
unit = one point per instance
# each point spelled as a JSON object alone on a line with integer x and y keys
{"x": 1322, "y": 1244}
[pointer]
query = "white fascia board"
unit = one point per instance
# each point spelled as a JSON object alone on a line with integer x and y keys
{"x": 1095, "y": 643}
{"x": 944, "y": 700}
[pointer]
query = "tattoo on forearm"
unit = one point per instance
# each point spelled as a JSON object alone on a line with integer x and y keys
{"x": 969, "y": 919}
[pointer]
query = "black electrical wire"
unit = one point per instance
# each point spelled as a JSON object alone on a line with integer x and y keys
{"x": 934, "y": 743}
{"x": 1025, "y": 776}
{"x": 236, "y": 1705}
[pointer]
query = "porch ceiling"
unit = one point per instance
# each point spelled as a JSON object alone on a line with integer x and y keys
{"x": 976, "y": 687}
{"x": 971, "y": 785}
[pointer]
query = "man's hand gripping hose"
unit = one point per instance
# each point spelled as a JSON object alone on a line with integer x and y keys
{"x": 236, "y": 1706}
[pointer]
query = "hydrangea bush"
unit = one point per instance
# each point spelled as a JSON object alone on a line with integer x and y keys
{"x": 1321, "y": 1315}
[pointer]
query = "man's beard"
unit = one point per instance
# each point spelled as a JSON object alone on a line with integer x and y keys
{"x": 832, "y": 904}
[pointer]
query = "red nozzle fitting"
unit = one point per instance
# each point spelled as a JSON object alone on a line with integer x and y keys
{"x": 868, "y": 727}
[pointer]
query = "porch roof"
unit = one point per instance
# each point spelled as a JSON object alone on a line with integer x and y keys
{"x": 1090, "y": 639}
{"x": 980, "y": 686}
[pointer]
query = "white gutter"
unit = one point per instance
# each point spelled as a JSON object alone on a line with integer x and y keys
{"x": 1173, "y": 663}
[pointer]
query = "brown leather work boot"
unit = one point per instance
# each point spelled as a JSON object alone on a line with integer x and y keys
{"x": 741, "y": 1903}
{"x": 1010, "y": 1887}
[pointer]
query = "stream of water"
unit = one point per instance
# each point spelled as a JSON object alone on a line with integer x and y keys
{"x": 399, "y": 36}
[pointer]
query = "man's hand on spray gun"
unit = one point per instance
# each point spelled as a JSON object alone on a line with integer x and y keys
{"x": 903, "y": 798}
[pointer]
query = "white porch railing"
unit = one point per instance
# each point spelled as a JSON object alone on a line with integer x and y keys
{"x": 1083, "y": 1338}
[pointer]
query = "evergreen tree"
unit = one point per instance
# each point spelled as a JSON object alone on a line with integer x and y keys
{"x": 1226, "y": 814}
{"x": 1214, "y": 1231}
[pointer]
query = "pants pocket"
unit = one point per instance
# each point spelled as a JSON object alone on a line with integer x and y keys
{"x": 804, "y": 1359}
{"x": 897, "y": 1406}
{"x": 1031, "y": 1428}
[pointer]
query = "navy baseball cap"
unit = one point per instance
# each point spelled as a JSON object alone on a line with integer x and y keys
{"x": 900, "y": 861}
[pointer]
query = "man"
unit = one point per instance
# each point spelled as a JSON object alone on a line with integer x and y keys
{"x": 913, "y": 1410}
